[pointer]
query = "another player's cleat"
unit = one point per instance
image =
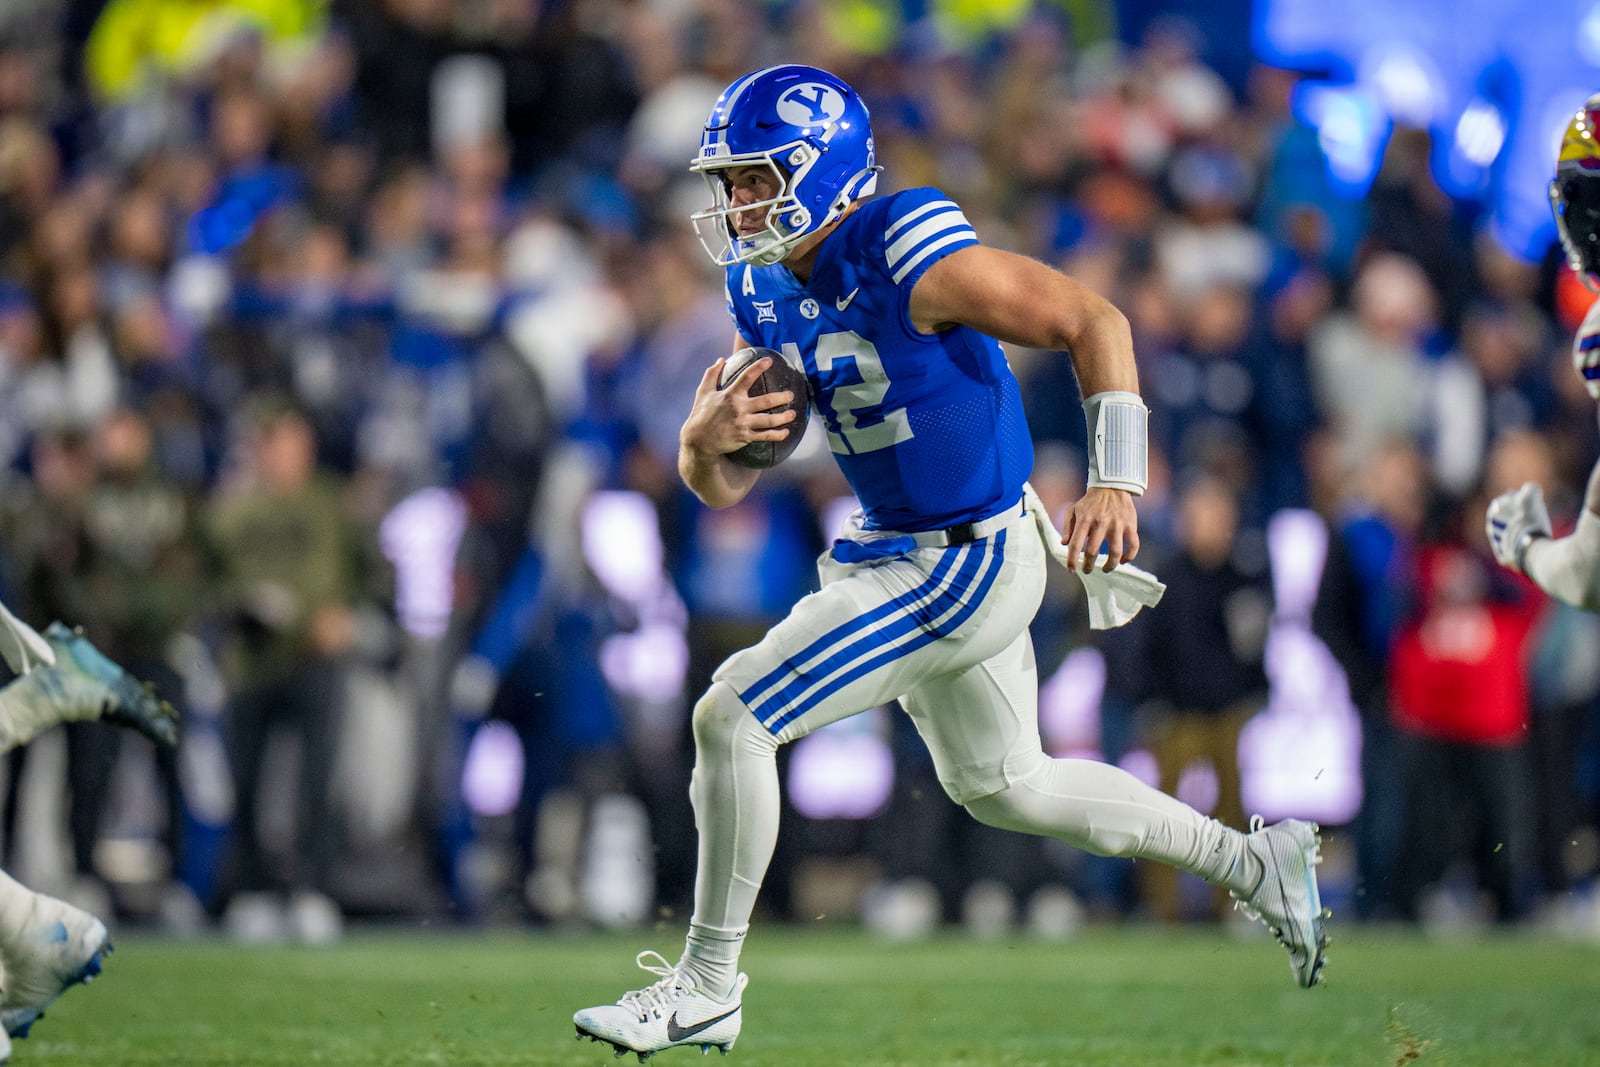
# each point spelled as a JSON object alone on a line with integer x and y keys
{"x": 1286, "y": 899}
{"x": 666, "y": 1014}
{"x": 91, "y": 682}
{"x": 56, "y": 947}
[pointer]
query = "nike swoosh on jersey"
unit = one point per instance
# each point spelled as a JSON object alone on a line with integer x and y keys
{"x": 678, "y": 1033}
{"x": 844, "y": 301}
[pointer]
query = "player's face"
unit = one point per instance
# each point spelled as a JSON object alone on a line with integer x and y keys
{"x": 751, "y": 185}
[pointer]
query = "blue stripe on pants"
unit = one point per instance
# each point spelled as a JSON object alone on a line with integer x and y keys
{"x": 909, "y": 618}
{"x": 996, "y": 559}
{"x": 795, "y": 664}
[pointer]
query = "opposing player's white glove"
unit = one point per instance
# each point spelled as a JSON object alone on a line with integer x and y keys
{"x": 1513, "y": 520}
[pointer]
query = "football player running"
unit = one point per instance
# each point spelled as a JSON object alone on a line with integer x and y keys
{"x": 1567, "y": 568}
{"x": 896, "y": 312}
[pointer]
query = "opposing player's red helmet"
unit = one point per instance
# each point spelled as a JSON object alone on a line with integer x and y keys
{"x": 1575, "y": 192}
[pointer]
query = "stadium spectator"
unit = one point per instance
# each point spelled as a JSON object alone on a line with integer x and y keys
{"x": 1203, "y": 656}
{"x": 1459, "y": 695}
{"x": 290, "y": 566}
{"x": 1366, "y": 590}
{"x": 144, "y": 562}
{"x": 1368, "y": 371}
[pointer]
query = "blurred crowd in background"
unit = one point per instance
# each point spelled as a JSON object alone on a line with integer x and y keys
{"x": 343, "y": 349}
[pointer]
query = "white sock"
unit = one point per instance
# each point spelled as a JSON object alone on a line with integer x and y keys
{"x": 736, "y": 806}
{"x": 711, "y": 958}
{"x": 1105, "y": 810}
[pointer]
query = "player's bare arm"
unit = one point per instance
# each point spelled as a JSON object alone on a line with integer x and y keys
{"x": 1023, "y": 302}
{"x": 724, "y": 421}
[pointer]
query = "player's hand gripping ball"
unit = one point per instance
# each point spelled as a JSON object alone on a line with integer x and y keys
{"x": 780, "y": 376}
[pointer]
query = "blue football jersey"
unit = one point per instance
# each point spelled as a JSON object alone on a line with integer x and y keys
{"x": 928, "y": 428}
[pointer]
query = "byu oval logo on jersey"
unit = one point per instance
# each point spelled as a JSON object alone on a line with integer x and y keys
{"x": 811, "y": 104}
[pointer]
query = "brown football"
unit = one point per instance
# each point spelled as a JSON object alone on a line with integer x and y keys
{"x": 782, "y": 375}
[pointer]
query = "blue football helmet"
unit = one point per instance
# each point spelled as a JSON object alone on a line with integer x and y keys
{"x": 812, "y": 131}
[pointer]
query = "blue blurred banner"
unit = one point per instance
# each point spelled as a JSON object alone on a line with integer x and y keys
{"x": 1493, "y": 80}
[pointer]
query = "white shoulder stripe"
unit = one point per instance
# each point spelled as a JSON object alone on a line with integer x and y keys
{"x": 945, "y": 220}
{"x": 964, "y": 234}
{"x": 906, "y": 220}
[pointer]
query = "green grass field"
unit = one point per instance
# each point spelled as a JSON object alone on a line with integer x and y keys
{"x": 824, "y": 996}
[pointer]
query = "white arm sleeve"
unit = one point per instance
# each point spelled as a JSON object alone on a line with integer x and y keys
{"x": 1569, "y": 568}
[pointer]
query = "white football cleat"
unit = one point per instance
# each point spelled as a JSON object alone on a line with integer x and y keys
{"x": 664, "y": 1015}
{"x": 1286, "y": 898}
{"x": 57, "y": 947}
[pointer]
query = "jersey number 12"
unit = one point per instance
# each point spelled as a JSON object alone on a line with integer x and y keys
{"x": 846, "y": 405}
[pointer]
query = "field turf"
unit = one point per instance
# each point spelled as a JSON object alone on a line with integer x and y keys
{"x": 826, "y": 996}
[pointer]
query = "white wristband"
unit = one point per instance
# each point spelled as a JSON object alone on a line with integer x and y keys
{"x": 1119, "y": 449}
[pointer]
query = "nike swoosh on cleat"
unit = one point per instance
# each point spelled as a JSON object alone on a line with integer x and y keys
{"x": 678, "y": 1033}
{"x": 844, "y": 301}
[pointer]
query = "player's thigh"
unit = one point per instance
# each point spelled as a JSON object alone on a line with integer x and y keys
{"x": 802, "y": 668}
{"x": 874, "y": 632}
{"x": 981, "y": 724}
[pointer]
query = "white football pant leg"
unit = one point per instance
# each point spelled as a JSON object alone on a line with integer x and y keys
{"x": 1105, "y": 810}
{"x": 736, "y": 804}
{"x": 982, "y": 728}
{"x": 871, "y": 633}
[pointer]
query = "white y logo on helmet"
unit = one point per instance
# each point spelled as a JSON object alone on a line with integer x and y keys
{"x": 811, "y": 104}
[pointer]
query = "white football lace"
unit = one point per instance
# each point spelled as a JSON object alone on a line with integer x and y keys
{"x": 653, "y": 999}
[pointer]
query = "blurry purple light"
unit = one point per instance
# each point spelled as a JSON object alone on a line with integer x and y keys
{"x": 1302, "y": 755}
{"x": 1297, "y": 541}
{"x": 844, "y": 770}
{"x": 622, "y": 544}
{"x": 1069, "y": 703}
{"x": 1142, "y": 765}
{"x": 648, "y": 663}
{"x": 419, "y": 537}
{"x": 1197, "y": 787}
{"x": 491, "y": 780}
{"x": 833, "y": 514}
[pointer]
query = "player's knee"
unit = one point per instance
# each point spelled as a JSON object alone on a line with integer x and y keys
{"x": 1002, "y": 810}
{"x": 722, "y": 722}
{"x": 715, "y": 716}
{"x": 1022, "y": 810}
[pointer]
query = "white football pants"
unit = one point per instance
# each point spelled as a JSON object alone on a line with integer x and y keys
{"x": 944, "y": 630}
